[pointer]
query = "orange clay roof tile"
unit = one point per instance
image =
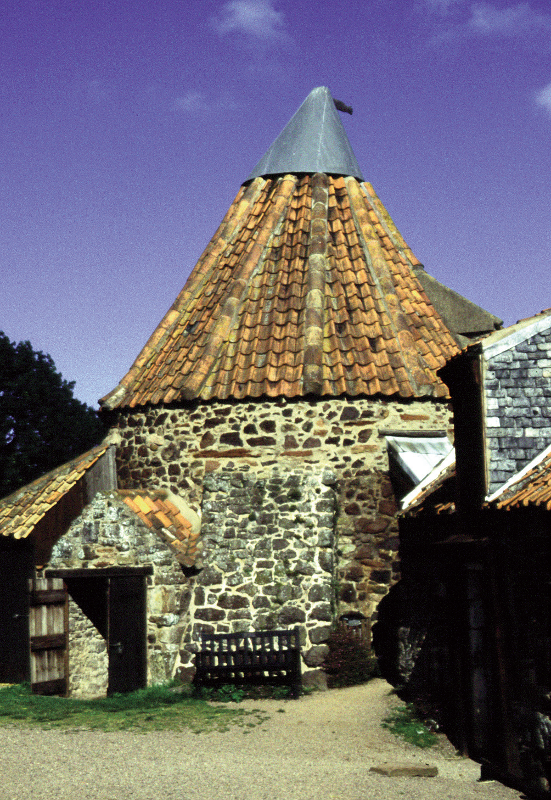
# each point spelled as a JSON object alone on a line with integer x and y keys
{"x": 533, "y": 488}
{"x": 239, "y": 326}
{"x": 162, "y": 516}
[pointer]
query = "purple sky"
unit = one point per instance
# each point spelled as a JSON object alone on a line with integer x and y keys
{"x": 128, "y": 127}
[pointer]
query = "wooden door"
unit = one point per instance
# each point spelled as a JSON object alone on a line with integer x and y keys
{"x": 126, "y": 635}
{"x": 16, "y": 567}
{"x": 48, "y": 628}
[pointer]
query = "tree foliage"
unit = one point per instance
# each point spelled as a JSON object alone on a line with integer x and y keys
{"x": 41, "y": 424}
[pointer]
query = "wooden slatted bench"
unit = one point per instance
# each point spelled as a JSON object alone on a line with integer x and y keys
{"x": 270, "y": 658}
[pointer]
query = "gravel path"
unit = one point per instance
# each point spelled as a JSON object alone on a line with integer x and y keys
{"x": 321, "y": 747}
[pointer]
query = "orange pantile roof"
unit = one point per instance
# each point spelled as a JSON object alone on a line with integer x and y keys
{"x": 21, "y": 511}
{"x": 160, "y": 514}
{"x": 306, "y": 288}
{"x": 532, "y": 487}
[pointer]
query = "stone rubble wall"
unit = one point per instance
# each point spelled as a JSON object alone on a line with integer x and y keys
{"x": 178, "y": 448}
{"x": 108, "y": 534}
{"x": 268, "y": 555}
{"x": 518, "y": 407}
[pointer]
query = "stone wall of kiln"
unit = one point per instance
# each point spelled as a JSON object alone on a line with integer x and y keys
{"x": 108, "y": 534}
{"x": 176, "y": 448}
{"x": 268, "y": 557}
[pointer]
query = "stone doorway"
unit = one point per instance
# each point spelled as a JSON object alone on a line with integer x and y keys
{"x": 114, "y": 599}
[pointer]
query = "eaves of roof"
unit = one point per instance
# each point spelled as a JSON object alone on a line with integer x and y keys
{"x": 435, "y": 494}
{"x": 529, "y": 488}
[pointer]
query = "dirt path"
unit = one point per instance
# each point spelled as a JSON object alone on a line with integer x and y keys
{"x": 317, "y": 748}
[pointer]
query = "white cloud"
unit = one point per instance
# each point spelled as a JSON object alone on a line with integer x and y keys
{"x": 191, "y": 102}
{"x": 256, "y": 19}
{"x": 543, "y": 98}
{"x": 486, "y": 19}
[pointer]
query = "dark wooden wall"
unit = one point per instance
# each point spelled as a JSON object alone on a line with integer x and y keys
{"x": 478, "y": 588}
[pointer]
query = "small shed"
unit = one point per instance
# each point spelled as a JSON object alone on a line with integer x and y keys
{"x": 103, "y": 614}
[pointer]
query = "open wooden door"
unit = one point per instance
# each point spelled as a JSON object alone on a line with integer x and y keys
{"x": 48, "y": 628}
{"x": 115, "y": 600}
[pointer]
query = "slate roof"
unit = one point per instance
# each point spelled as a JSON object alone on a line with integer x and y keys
{"x": 163, "y": 516}
{"x": 306, "y": 288}
{"x": 21, "y": 511}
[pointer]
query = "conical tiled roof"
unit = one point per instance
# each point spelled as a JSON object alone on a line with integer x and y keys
{"x": 306, "y": 288}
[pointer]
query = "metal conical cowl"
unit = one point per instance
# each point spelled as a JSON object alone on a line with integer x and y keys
{"x": 314, "y": 140}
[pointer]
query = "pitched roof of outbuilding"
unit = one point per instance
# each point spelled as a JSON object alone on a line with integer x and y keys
{"x": 306, "y": 288}
{"x": 22, "y": 510}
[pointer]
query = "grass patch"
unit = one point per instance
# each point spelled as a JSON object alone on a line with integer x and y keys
{"x": 153, "y": 709}
{"x": 405, "y": 722}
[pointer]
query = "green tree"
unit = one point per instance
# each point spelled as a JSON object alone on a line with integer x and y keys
{"x": 41, "y": 424}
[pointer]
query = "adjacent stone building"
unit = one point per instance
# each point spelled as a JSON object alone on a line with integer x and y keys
{"x": 306, "y": 333}
{"x": 468, "y": 627}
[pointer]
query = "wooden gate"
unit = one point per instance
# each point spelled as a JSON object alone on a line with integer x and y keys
{"x": 48, "y": 627}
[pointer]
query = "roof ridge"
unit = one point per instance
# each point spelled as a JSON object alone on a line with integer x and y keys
{"x": 315, "y": 294}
